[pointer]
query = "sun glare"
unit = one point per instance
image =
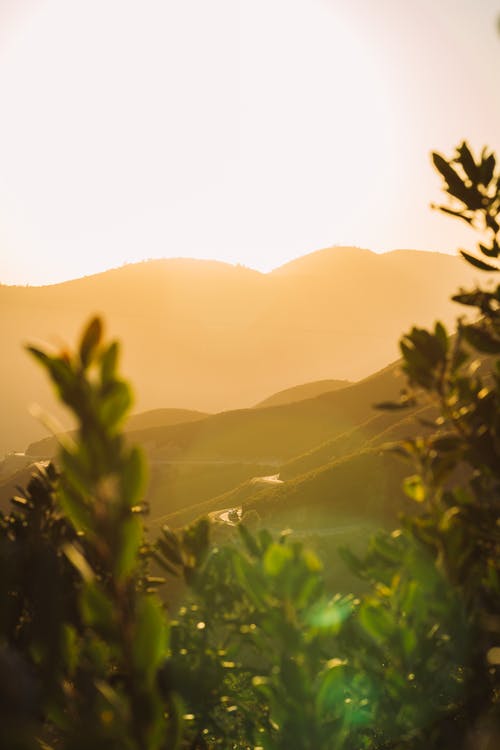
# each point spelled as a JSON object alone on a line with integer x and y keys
{"x": 169, "y": 129}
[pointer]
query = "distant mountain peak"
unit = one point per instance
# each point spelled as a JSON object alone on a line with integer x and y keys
{"x": 325, "y": 259}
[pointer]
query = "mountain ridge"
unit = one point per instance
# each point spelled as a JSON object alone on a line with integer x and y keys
{"x": 208, "y": 336}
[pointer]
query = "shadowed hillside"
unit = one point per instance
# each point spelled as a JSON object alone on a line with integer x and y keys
{"x": 291, "y": 465}
{"x": 209, "y": 336}
{"x": 217, "y": 461}
{"x": 270, "y": 435}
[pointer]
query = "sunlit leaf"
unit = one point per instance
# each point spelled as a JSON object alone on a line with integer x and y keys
{"x": 414, "y": 488}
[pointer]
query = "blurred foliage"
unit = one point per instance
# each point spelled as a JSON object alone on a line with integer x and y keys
{"x": 260, "y": 654}
{"x": 78, "y": 616}
{"x": 457, "y": 479}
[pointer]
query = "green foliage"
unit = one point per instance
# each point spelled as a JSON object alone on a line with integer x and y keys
{"x": 474, "y": 189}
{"x": 458, "y": 465}
{"x": 255, "y": 643}
{"x": 80, "y": 610}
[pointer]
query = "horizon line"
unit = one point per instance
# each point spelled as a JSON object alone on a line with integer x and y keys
{"x": 233, "y": 264}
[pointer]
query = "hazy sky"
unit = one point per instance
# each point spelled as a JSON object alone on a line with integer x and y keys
{"x": 251, "y": 131}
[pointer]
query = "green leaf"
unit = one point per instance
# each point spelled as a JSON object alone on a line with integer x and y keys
{"x": 170, "y": 546}
{"x": 276, "y": 558}
{"x": 76, "y": 472}
{"x": 90, "y": 341}
{"x": 467, "y": 160}
{"x": 447, "y": 443}
{"x": 97, "y": 609}
{"x": 455, "y": 185}
{"x": 251, "y": 580}
{"x": 165, "y": 564}
{"x": 109, "y": 359}
{"x": 462, "y": 214}
{"x": 414, "y": 488}
{"x": 393, "y": 405}
{"x": 175, "y": 725}
{"x": 150, "y": 637}
{"x": 265, "y": 539}
{"x": 114, "y": 404}
{"x": 42, "y": 357}
{"x": 491, "y": 252}
{"x": 487, "y": 168}
{"x": 376, "y": 621}
{"x": 492, "y": 223}
{"x": 441, "y": 336}
{"x": 76, "y": 557}
{"x": 477, "y": 262}
{"x": 249, "y": 541}
{"x": 60, "y": 373}
{"x": 332, "y": 688}
{"x": 130, "y": 540}
{"x": 74, "y": 507}
{"x": 195, "y": 540}
{"x": 71, "y": 647}
{"x": 480, "y": 339}
{"x": 133, "y": 477}
{"x": 409, "y": 639}
{"x": 329, "y": 615}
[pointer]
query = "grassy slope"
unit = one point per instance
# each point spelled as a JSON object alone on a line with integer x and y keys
{"x": 326, "y": 448}
{"x": 275, "y": 434}
{"x": 361, "y": 481}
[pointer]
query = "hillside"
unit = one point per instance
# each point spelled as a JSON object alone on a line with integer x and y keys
{"x": 204, "y": 457}
{"x": 208, "y": 336}
{"x": 47, "y": 447}
{"x": 291, "y": 465}
{"x": 301, "y": 392}
{"x": 275, "y": 434}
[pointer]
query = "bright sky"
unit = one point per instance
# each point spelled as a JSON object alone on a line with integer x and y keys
{"x": 250, "y": 131}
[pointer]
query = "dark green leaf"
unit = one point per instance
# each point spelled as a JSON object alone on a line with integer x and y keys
{"x": 487, "y": 168}
{"x": 109, "y": 359}
{"x": 492, "y": 251}
{"x": 150, "y": 637}
{"x": 133, "y": 477}
{"x": 97, "y": 609}
{"x": 249, "y": 541}
{"x": 467, "y": 160}
{"x": 130, "y": 539}
{"x": 90, "y": 341}
{"x": 376, "y": 621}
{"x": 477, "y": 262}
{"x": 480, "y": 339}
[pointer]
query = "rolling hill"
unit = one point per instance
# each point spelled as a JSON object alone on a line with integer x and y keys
{"x": 317, "y": 465}
{"x": 208, "y": 464}
{"x": 301, "y": 392}
{"x": 208, "y": 336}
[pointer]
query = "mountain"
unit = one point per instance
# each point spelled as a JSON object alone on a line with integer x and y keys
{"x": 208, "y": 336}
{"x": 274, "y": 434}
{"x": 310, "y": 464}
{"x": 353, "y": 478}
{"x": 301, "y": 392}
{"x": 47, "y": 447}
{"x": 197, "y": 461}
